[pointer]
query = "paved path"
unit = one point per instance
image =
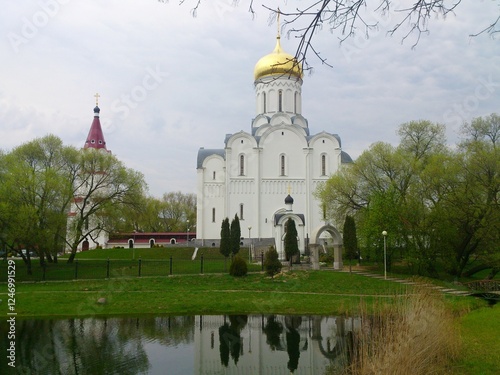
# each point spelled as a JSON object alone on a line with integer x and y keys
{"x": 451, "y": 291}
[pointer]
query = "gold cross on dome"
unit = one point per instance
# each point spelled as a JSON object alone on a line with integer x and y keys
{"x": 279, "y": 12}
{"x": 96, "y": 96}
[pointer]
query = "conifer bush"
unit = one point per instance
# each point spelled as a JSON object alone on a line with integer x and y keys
{"x": 272, "y": 264}
{"x": 238, "y": 267}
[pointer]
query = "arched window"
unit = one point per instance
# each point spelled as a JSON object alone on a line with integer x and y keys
{"x": 213, "y": 176}
{"x": 213, "y": 215}
{"x": 242, "y": 165}
{"x": 241, "y": 211}
{"x": 280, "y": 101}
{"x": 323, "y": 165}
{"x": 264, "y": 102}
{"x": 282, "y": 165}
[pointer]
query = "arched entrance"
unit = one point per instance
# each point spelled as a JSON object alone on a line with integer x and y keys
{"x": 337, "y": 243}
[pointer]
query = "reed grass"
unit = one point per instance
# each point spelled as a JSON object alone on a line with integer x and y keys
{"x": 417, "y": 335}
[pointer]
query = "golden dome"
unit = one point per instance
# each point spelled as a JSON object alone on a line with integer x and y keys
{"x": 277, "y": 62}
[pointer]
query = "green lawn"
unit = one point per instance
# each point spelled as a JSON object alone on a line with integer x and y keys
{"x": 481, "y": 342}
{"x": 297, "y": 292}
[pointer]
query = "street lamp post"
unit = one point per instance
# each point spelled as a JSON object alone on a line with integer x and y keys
{"x": 249, "y": 245}
{"x": 187, "y": 233}
{"x": 384, "y": 233}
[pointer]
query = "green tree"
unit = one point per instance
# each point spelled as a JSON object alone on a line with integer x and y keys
{"x": 272, "y": 264}
{"x": 350, "y": 239}
{"x": 440, "y": 204}
{"x": 235, "y": 235}
{"x": 225, "y": 238}
{"x": 35, "y": 193}
{"x": 104, "y": 187}
{"x": 290, "y": 242}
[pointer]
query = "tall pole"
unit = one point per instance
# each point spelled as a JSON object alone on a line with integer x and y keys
{"x": 384, "y": 233}
{"x": 187, "y": 233}
{"x": 250, "y": 245}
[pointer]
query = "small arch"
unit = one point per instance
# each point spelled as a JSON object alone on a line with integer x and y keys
{"x": 152, "y": 243}
{"x": 130, "y": 243}
{"x": 172, "y": 241}
{"x": 213, "y": 244}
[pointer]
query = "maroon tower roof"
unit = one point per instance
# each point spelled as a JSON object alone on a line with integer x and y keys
{"x": 95, "y": 139}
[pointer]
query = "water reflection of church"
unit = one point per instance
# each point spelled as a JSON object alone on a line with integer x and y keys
{"x": 259, "y": 344}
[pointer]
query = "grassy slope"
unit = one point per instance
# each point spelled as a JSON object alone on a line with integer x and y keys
{"x": 481, "y": 342}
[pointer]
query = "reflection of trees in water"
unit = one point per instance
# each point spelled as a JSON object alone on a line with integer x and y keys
{"x": 102, "y": 346}
{"x": 273, "y": 330}
{"x": 293, "y": 323}
{"x": 230, "y": 341}
{"x": 167, "y": 330}
{"x": 77, "y": 346}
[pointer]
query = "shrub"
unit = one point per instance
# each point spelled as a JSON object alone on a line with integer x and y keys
{"x": 238, "y": 267}
{"x": 272, "y": 264}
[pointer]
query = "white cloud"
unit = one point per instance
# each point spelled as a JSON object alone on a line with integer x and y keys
{"x": 206, "y": 86}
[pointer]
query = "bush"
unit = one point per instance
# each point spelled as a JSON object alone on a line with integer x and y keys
{"x": 238, "y": 267}
{"x": 272, "y": 264}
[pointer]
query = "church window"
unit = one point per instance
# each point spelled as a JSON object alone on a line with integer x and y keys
{"x": 241, "y": 211}
{"x": 264, "y": 102}
{"x": 323, "y": 165}
{"x": 242, "y": 141}
{"x": 213, "y": 176}
{"x": 242, "y": 165}
{"x": 213, "y": 215}
{"x": 92, "y": 141}
{"x": 100, "y": 142}
{"x": 282, "y": 133}
{"x": 282, "y": 165}
{"x": 280, "y": 101}
{"x": 323, "y": 141}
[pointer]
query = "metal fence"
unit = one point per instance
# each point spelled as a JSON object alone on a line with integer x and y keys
{"x": 106, "y": 269}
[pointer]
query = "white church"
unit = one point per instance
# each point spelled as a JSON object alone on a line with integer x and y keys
{"x": 269, "y": 174}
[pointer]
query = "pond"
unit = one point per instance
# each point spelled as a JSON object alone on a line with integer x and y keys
{"x": 181, "y": 345}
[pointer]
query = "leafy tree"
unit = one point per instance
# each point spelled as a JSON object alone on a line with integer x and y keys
{"x": 235, "y": 235}
{"x": 290, "y": 242}
{"x": 350, "y": 239}
{"x": 35, "y": 193}
{"x": 440, "y": 204}
{"x": 225, "y": 238}
{"x": 103, "y": 186}
{"x": 272, "y": 264}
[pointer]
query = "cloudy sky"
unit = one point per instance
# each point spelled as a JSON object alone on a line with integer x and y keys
{"x": 170, "y": 83}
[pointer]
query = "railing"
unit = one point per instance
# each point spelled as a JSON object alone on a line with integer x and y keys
{"x": 105, "y": 269}
{"x": 484, "y": 285}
